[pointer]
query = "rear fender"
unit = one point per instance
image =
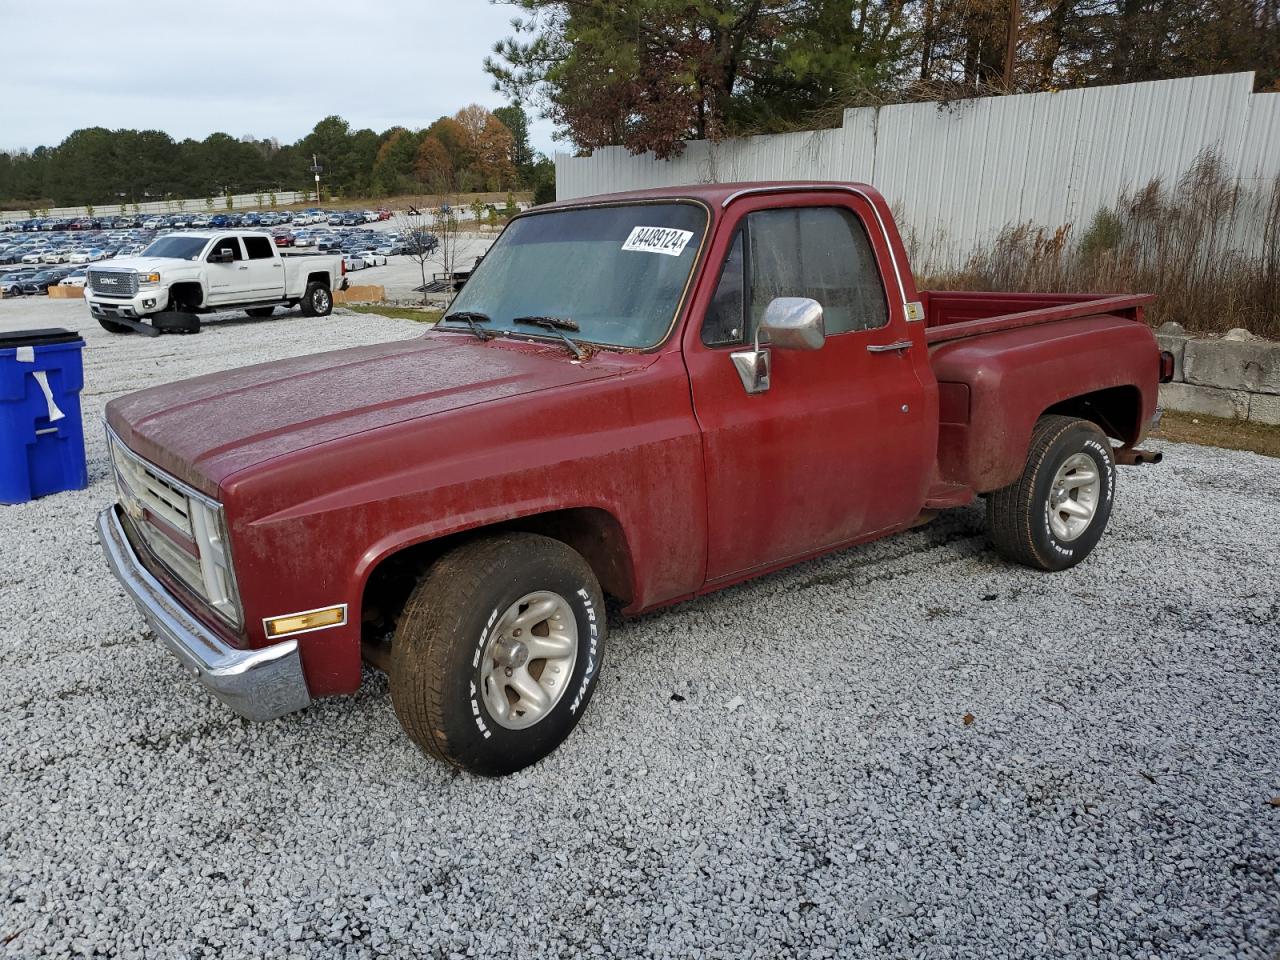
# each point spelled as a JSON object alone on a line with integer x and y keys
{"x": 994, "y": 387}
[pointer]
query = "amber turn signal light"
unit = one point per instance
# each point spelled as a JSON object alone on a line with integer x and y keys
{"x": 305, "y": 621}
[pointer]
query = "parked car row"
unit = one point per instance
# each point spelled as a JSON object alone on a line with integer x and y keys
{"x": 87, "y": 247}
{"x": 44, "y": 259}
{"x": 32, "y": 282}
{"x": 255, "y": 219}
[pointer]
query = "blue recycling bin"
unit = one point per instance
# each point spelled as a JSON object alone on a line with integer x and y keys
{"x": 41, "y": 433}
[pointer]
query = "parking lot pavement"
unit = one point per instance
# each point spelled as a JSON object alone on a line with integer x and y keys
{"x": 905, "y": 749}
{"x": 402, "y": 274}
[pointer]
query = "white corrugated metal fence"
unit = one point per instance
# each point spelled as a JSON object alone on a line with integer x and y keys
{"x": 957, "y": 173}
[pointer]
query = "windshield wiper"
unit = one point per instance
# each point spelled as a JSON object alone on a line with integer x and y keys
{"x": 556, "y": 325}
{"x": 472, "y": 319}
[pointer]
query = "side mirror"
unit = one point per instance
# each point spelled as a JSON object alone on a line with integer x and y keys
{"x": 794, "y": 323}
{"x": 222, "y": 256}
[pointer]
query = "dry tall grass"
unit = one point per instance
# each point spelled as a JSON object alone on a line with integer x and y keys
{"x": 1207, "y": 246}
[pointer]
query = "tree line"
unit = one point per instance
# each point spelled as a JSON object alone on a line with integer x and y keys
{"x": 475, "y": 149}
{"x": 648, "y": 74}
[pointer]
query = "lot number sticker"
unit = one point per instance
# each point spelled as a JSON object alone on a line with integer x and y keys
{"x": 666, "y": 240}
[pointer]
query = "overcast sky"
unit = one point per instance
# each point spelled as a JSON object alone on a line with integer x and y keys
{"x": 266, "y": 68}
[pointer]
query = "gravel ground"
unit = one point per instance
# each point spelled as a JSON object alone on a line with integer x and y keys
{"x": 906, "y": 749}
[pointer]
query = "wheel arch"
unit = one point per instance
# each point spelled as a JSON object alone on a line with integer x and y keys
{"x": 593, "y": 532}
{"x": 189, "y": 293}
{"x": 1116, "y": 410}
{"x": 320, "y": 276}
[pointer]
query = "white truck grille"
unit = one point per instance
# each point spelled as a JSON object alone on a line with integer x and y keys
{"x": 113, "y": 283}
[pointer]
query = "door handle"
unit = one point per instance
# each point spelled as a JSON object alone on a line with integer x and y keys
{"x": 888, "y": 347}
{"x": 242, "y": 268}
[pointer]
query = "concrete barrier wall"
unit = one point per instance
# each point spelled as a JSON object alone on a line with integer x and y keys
{"x": 192, "y": 205}
{"x": 1236, "y": 377}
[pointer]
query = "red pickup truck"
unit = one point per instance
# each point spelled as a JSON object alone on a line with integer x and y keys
{"x": 642, "y": 397}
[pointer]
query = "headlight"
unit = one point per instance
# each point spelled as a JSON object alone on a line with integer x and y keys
{"x": 148, "y": 279}
{"x": 210, "y": 529}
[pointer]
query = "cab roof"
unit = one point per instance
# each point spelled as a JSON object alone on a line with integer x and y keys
{"x": 714, "y": 195}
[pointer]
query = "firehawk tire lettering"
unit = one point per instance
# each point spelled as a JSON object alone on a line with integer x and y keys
{"x": 1019, "y": 515}
{"x": 591, "y": 652}
{"x": 444, "y": 634}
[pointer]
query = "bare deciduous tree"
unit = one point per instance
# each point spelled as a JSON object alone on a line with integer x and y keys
{"x": 431, "y": 236}
{"x": 447, "y": 230}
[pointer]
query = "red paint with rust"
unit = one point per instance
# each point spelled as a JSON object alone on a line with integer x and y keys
{"x": 676, "y": 482}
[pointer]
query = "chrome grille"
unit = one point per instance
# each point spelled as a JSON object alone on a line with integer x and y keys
{"x": 184, "y": 566}
{"x": 156, "y": 494}
{"x": 183, "y": 529}
{"x": 114, "y": 283}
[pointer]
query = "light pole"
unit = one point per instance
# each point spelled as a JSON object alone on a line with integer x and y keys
{"x": 315, "y": 168}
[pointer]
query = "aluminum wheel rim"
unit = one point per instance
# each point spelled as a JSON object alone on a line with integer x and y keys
{"x": 1073, "y": 498}
{"x": 320, "y": 300}
{"x": 528, "y": 660}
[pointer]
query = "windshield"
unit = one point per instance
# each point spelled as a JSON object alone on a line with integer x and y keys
{"x": 176, "y": 248}
{"x": 616, "y": 272}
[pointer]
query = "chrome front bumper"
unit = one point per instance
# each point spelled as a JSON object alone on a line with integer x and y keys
{"x": 257, "y": 684}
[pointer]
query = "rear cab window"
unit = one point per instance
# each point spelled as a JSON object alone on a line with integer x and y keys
{"x": 259, "y": 248}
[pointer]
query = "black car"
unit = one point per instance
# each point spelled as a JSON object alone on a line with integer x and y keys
{"x": 40, "y": 282}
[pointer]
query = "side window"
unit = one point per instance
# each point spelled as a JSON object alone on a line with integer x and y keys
{"x": 227, "y": 243}
{"x": 259, "y": 248}
{"x": 818, "y": 252}
{"x": 724, "y": 321}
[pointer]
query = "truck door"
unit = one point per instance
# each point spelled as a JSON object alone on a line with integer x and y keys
{"x": 266, "y": 269}
{"x": 842, "y": 443}
{"x": 225, "y": 278}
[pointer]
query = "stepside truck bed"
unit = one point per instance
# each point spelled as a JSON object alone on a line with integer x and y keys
{"x": 953, "y": 315}
{"x": 1002, "y": 360}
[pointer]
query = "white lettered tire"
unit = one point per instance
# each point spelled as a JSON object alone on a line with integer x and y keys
{"x": 1053, "y": 516}
{"x": 498, "y": 651}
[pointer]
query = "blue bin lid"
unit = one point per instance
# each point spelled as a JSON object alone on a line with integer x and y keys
{"x": 36, "y": 338}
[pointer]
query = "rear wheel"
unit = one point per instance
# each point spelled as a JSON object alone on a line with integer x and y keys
{"x": 1052, "y": 517}
{"x": 498, "y": 651}
{"x": 317, "y": 301}
{"x": 260, "y": 312}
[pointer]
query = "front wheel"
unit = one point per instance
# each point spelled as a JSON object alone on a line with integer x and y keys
{"x": 497, "y": 652}
{"x": 317, "y": 301}
{"x": 1052, "y": 517}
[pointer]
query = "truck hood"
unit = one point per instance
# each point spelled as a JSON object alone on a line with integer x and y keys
{"x": 143, "y": 264}
{"x": 205, "y": 429}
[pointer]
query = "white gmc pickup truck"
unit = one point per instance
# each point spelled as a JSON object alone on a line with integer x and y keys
{"x": 182, "y": 274}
